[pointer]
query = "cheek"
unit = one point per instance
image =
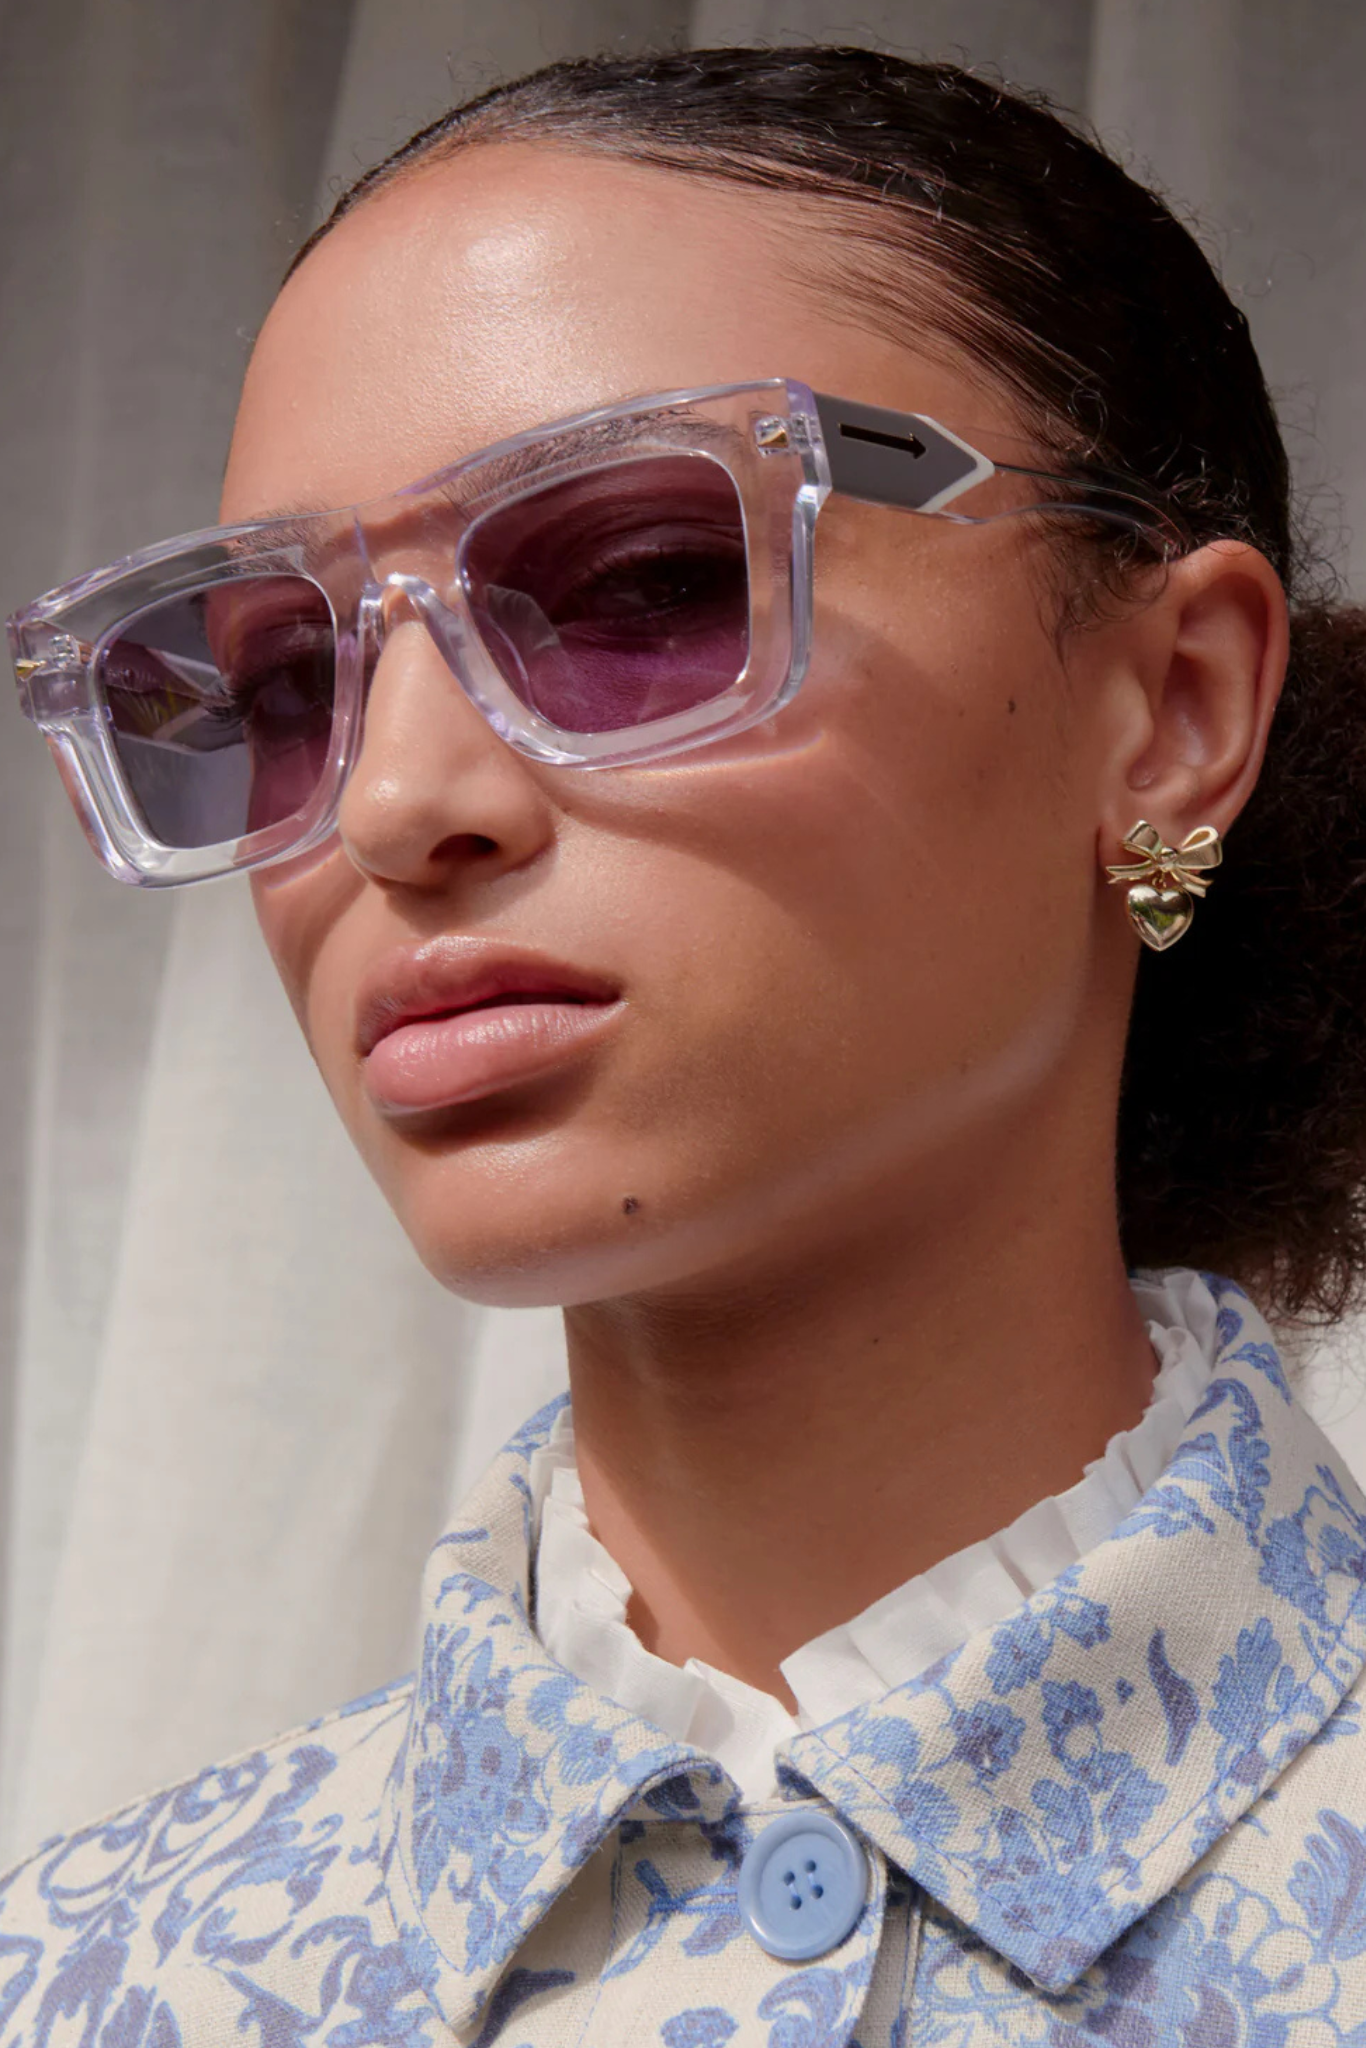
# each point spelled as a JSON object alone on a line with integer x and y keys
{"x": 892, "y": 907}
{"x": 948, "y": 805}
{"x": 301, "y": 907}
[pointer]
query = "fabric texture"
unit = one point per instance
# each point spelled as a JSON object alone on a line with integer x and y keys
{"x": 1134, "y": 1811}
{"x": 582, "y": 1593}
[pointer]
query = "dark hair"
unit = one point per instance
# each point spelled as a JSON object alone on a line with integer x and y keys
{"x": 1242, "y": 1139}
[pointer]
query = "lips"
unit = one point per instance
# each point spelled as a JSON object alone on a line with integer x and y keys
{"x": 457, "y": 1019}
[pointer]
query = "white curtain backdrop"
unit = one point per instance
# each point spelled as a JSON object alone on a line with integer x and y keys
{"x": 233, "y": 1409}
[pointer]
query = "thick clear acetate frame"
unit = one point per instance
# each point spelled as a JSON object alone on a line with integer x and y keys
{"x": 784, "y": 448}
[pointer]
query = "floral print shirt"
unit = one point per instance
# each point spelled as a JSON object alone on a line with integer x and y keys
{"x": 1132, "y": 1814}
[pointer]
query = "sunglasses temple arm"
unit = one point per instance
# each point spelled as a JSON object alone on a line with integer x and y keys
{"x": 895, "y": 458}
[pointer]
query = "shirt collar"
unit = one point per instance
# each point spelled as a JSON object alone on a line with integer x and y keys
{"x": 1061, "y": 1772}
{"x": 1048, "y": 1783}
{"x": 512, "y": 1771}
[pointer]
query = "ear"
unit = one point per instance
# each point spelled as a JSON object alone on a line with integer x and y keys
{"x": 1203, "y": 668}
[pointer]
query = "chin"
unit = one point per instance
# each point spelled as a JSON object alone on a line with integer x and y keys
{"x": 562, "y": 1202}
{"x": 556, "y": 1235}
{"x": 508, "y": 1272}
{"x": 527, "y": 1233}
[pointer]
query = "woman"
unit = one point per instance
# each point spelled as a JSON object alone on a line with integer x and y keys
{"x": 927, "y": 1627}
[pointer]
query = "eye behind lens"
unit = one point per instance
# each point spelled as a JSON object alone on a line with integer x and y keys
{"x": 613, "y": 601}
{"x": 219, "y": 706}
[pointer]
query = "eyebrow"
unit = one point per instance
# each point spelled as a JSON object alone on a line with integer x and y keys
{"x": 283, "y": 514}
{"x": 507, "y": 467}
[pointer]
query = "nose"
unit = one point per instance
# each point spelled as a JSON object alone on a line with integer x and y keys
{"x": 435, "y": 791}
{"x": 401, "y": 597}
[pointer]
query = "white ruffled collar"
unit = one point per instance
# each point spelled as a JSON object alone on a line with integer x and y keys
{"x": 582, "y": 1593}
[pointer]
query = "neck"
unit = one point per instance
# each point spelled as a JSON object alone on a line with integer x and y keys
{"x": 766, "y": 1456}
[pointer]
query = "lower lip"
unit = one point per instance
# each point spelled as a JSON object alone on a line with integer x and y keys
{"x": 440, "y": 1062}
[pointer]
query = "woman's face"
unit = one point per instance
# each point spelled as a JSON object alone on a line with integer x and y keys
{"x": 823, "y": 958}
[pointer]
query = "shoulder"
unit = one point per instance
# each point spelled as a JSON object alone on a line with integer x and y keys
{"x": 247, "y": 1901}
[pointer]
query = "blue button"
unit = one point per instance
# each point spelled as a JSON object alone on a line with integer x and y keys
{"x": 803, "y": 1883}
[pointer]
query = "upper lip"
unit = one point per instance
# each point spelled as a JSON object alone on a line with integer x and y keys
{"x": 447, "y": 975}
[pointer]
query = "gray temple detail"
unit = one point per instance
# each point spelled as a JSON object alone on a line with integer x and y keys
{"x": 894, "y": 458}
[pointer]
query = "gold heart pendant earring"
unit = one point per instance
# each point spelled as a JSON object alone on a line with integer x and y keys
{"x": 1163, "y": 881}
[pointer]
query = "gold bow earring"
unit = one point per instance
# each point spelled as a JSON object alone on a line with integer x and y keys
{"x": 1163, "y": 881}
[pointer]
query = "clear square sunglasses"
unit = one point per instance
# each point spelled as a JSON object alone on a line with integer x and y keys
{"x": 615, "y": 587}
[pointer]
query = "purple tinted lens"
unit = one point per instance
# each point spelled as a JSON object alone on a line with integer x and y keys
{"x": 219, "y": 705}
{"x": 616, "y": 598}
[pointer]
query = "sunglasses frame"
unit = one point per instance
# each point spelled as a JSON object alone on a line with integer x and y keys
{"x": 785, "y": 448}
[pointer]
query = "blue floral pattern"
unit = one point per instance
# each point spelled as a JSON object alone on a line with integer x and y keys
{"x": 1134, "y": 1813}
